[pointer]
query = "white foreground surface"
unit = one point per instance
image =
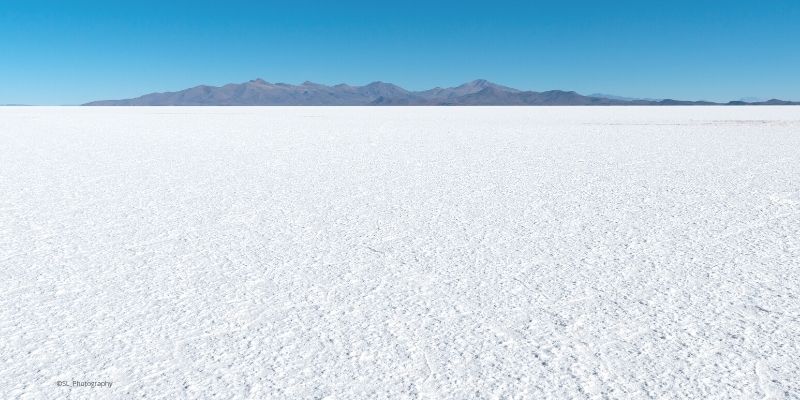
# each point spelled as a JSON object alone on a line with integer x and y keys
{"x": 368, "y": 253}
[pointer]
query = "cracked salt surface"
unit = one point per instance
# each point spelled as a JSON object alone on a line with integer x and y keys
{"x": 372, "y": 253}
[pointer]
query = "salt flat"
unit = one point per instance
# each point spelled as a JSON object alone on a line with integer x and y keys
{"x": 369, "y": 253}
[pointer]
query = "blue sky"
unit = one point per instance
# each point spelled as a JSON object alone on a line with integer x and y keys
{"x": 69, "y": 52}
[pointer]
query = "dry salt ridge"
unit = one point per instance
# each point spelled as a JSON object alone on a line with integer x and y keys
{"x": 384, "y": 253}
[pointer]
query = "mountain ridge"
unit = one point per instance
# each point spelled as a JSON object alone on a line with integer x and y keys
{"x": 479, "y": 92}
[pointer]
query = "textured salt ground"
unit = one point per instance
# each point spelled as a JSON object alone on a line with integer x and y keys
{"x": 363, "y": 253}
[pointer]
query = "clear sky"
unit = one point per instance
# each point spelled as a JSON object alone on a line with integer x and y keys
{"x": 69, "y": 52}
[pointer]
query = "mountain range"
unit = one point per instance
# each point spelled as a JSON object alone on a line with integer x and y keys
{"x": 259, "y": 92}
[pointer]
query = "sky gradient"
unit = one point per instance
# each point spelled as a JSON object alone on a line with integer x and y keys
{"x": 71, "y": 52}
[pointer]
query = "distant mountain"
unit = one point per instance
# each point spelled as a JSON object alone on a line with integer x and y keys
{"x": 259, "y": 92}
{"x": 615, "y": 97}
{"x": 771, "y": 102}
{"x": 450, "y": 94}
{"x": 752, "y": 99}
